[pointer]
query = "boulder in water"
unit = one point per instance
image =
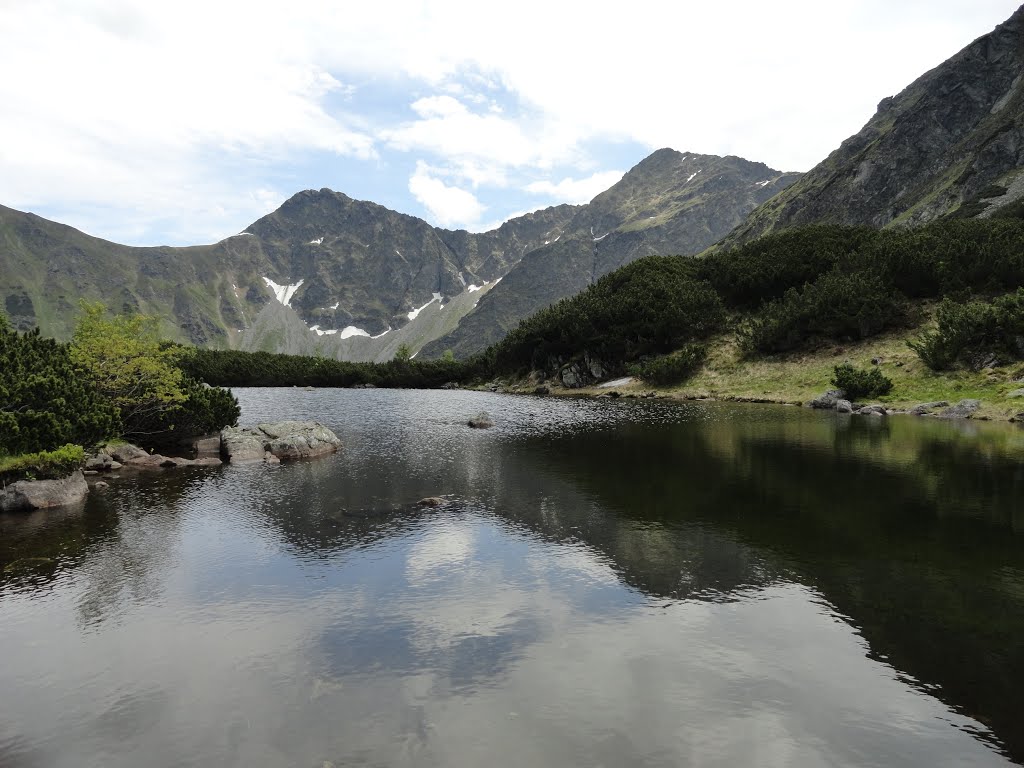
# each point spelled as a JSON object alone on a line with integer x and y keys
{"x": 282, "y": 439}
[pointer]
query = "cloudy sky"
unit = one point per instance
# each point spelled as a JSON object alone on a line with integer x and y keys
{"x": 183, "y": 122}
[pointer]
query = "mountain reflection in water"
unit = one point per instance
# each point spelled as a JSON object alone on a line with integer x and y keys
{"x": 618, "y": 583}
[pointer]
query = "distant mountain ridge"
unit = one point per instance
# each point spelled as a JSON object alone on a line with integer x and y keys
{"x": 346, "y": 267}
{"x": 325, "y": 274}
{"x": 951, "y": 143}
{"x": 671, "y": 203}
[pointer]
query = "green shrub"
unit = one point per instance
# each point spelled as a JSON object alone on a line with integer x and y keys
{"x": 974, "y": 333}
{"x": 650, "y": 306}
{"x": 836, "y": 306}
{"x": 42, "y": 465}
{"x": 858, "y": 383}
{"x": 669, "y": 370}
{"x": 44, "y": 401}
{"x": 766, "y": 268}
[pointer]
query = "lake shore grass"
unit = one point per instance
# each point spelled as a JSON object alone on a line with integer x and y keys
{"x": 796, "y": 378}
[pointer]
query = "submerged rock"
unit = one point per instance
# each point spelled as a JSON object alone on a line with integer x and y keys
{"x": 430, "y": 501}
{"x": 27, "y": 495}
{"x": 282, "y": 439}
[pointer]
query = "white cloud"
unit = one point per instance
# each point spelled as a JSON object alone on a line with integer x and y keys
{"x": 576, "y": 190}
{"x": 450, "y": 206}
{"x": 160, "y": 111}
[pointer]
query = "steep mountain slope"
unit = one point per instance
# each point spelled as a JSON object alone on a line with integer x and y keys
{"x": 670, "y": 203}
{"x": 952, "y": 142}
{"x": 348, "y": 269}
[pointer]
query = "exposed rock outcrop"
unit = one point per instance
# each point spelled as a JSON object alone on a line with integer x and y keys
{"x": 281, "y": 439}
{"x": 27, "y": 495}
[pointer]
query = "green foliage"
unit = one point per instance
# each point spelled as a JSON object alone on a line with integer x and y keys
{"x": 765, "y": 269}
{"x": 650, "y": 306}
{"x": 123, "y": 358}
{"x": 974, "y": 333}
{"x": 673, "y": 369}
{"x": 44, "y": 401}
{"x": 836, "y": 306}
{"x": 233, "y": 368}
{"x": 205, "y": 409}
{"x": 858, "y": 383}
{"x": 42, "y": 465}
{"x": 404, "y": 353}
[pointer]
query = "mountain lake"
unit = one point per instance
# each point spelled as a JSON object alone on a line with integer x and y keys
{"x": 607, "y": 583}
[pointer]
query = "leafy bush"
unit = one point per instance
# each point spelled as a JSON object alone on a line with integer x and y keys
{"x": 836, "y": 306}
{"x": 123, "y": 358}
{"x": 650, "y": 306}
{"x": 669, "y": 370}
{"x": 44, "y": 401}
{"x": 765, "y": 269}
{"x": 974, "y": 333}
{"x": 857, "y": 383}
{"x": 42, "y": 465}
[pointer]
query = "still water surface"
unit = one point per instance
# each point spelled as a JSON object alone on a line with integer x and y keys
{"x": 610, "y": 583}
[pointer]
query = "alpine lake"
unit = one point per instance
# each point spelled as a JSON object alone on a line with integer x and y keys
{"x": 606, "y": 583}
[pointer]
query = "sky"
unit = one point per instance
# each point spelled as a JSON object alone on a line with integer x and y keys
{"x": 181, "y": 123}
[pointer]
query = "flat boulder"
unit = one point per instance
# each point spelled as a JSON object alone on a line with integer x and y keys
{"x": 281, "y": 439}
{"x": 27, "y": 495}
{"x": 827, "y": 400}
{"x": 871, "y": 410}
{"x": 965, "y": 409}
{"x": 923, "y": 409}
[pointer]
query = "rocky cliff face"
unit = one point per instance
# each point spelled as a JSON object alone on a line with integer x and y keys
{"x": 670, "y": 203}
{"x": 952, "y": 143}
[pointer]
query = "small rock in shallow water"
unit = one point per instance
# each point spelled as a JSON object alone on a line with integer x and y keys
{"x": 844, "y": 406}
{"x": 481, "y": 421}
{"x": 430, "y": 501}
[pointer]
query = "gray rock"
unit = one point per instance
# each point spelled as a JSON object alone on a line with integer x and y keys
{"x": 283, "y": 439}
{"x": 26, "y": 495}
{"x": 430, "y": 501}
{"x": 965, "y": 409}
{"x": 98, "y": 463}
{"x": 481, "y": 421}
{"x": 827, "y": 401}
{"x": 922, "y": 409}
{"x": 125, "y": 452}
{"x": 541, "y": 390}
{"x": 240, "y": 444}
{"x": 573, "y": 377}
{"x": 844, "y": 406}
{"x": 207, "y": 445}
{"x": 871, "y": 410}
{"x": 1016, "y": 393}
{"x": 100, "y": 485}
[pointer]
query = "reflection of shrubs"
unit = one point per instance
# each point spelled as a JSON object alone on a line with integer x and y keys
{"x": 835, "y": 306}
{"x": 859, "y": 384}
{"x": 669, "y": 370}
{"x": 976, "y": 333}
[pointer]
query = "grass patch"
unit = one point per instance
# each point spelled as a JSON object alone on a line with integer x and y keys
{"x": 44, "y": 465}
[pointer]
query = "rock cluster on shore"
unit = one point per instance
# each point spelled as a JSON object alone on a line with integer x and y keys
{"x": 278, "y": 440}
{"x": 834, "y": 400}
